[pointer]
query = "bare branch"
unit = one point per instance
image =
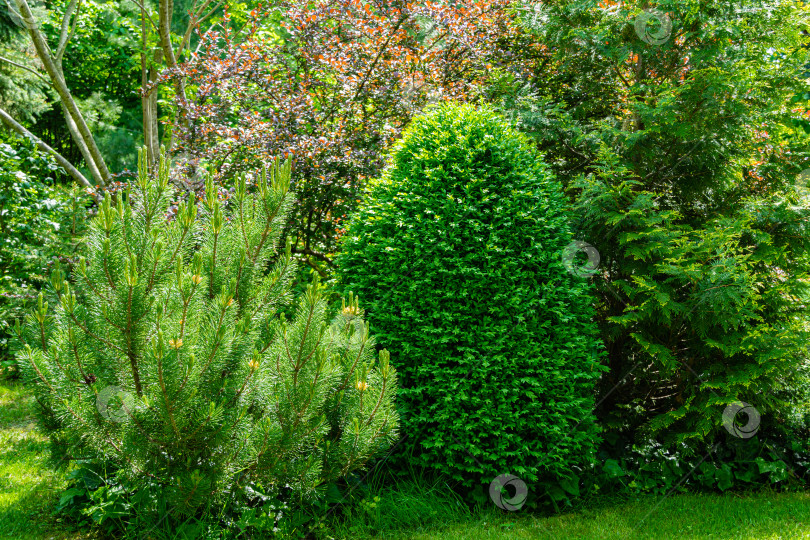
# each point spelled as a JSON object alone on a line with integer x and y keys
{"x": 145, "y": 13}
{"x": 64, "y": 36}
{"x": 26, "y": 68}
{"x": 165, "y": 8}
{"x": 71, "y": 170}
{"x": 195, "y": 21}
{"x": 54, "y": 69}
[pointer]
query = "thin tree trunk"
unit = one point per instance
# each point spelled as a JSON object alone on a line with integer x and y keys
{"x": 57, "y": 77}
{"x": 77, "y": 138}
{"x": 149, "y": 101}
{"x": 165, "y": 10}
{"x": 153, "y": 104}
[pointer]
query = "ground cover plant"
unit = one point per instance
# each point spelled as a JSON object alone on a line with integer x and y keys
{"x": 167, "y": 360}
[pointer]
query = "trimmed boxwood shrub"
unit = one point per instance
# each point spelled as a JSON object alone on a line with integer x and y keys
{"x": 457, "y": 255}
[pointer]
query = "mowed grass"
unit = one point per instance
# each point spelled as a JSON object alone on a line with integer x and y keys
{"x": 417, "y": 510}
{"x": 765, "y": 516}
{"x": 756, "y": 516}
{"x": 28, "y": 487}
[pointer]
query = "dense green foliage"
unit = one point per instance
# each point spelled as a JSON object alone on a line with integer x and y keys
{"x": 419, "y": 507}
{"x": 720, "y": 305}
{"x": 457, "y": 252}
{"x": 40, "y": 221}
{"x": 682, "y": 174}
{"x": 167, "y": 360}
{"x": 675, "y": 140}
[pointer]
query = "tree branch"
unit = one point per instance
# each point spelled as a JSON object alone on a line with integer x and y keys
{"x": 64, "y": 36}
{"x": 196, "y": 18}
{"x": 26, "y": 68}
{"x": 146, "y": 15}
{"x": 54, "y": 69}
{"x": 311, "y": 253}
{"x": 71, "y": 170}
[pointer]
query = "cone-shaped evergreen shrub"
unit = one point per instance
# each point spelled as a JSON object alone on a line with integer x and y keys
{"x": 457, "y": 254}
{"x": 168, "y": 358}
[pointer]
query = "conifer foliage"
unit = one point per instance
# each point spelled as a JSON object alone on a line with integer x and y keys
{"x": 458, "y": 252}
{"x": 168, "y": 357}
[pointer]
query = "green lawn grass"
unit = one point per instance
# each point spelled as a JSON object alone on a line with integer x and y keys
{"x": 29, "y": 489}
{"x": 403, "y": 513}
{"x": 763, "y": 516}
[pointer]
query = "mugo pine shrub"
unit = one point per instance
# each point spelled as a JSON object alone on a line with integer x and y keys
{"x": 168, "y": 358}
{"x": 456, "y": 254}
